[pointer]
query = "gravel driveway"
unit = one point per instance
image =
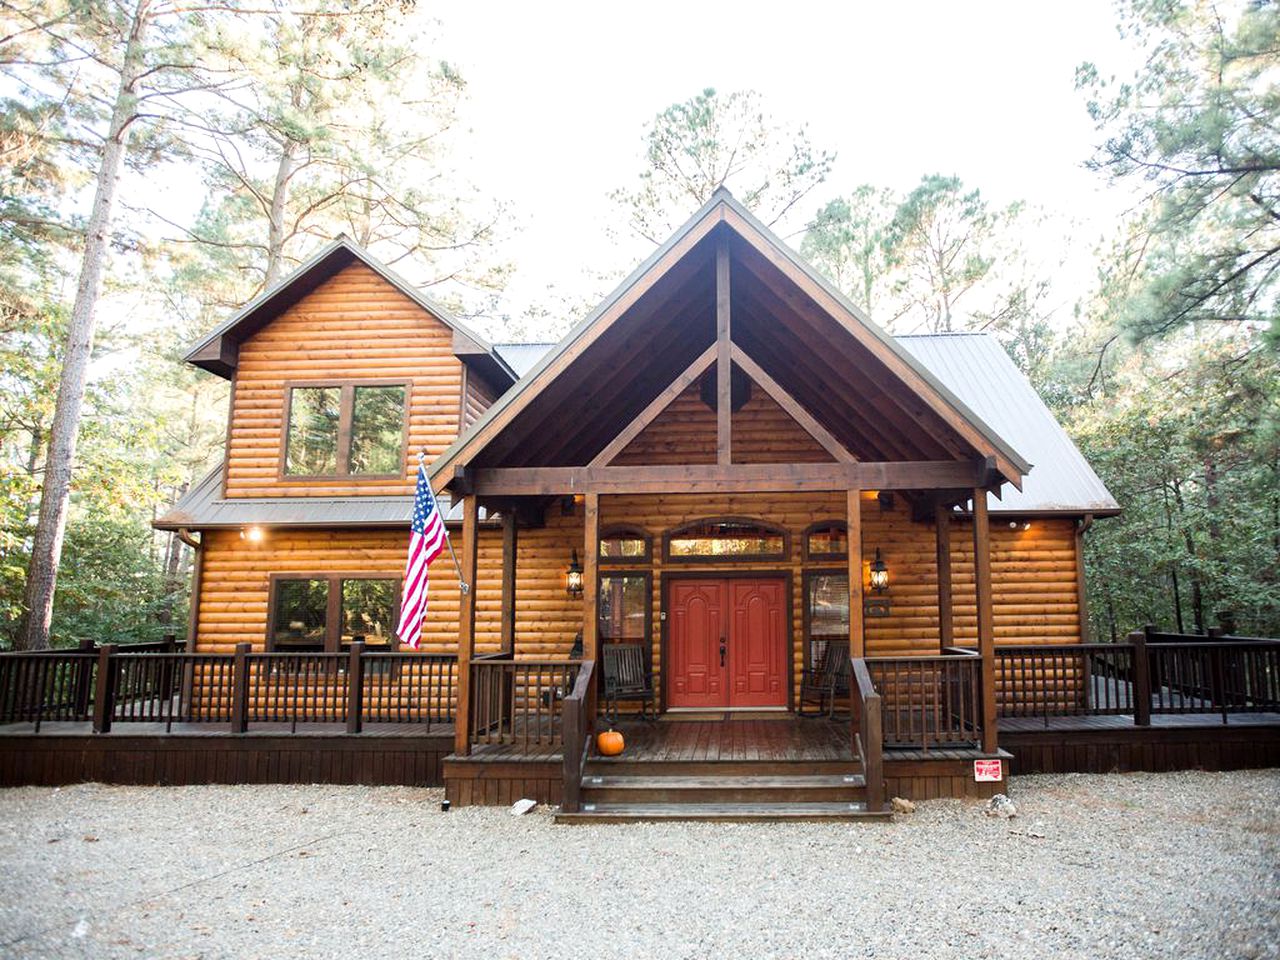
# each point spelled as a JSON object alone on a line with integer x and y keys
{"x": 1142, "y": 865}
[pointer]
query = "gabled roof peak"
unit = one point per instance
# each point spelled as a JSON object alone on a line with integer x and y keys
{"x": 218, "y": 350}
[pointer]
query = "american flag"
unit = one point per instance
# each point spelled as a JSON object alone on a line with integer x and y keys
{"x": 426, "y": 541}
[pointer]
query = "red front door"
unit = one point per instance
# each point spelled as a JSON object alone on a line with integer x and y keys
{"x": 727, "y": 643}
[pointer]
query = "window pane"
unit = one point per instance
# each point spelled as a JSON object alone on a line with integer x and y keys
{"x": 313, "y": 431}
{"x": 300, "y": 610}
{"x": 623, "y": 546}
{"x": 828, "y": 541}
{"x": 828, "y": 612}
{"x": 368, "y": 611}
{"x": 377, "y": 430}
{"x": 725, "y": 539}
{"x": 622, "y": 608}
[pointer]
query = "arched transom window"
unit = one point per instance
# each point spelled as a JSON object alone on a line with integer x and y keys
{"x": 727, "y": 538}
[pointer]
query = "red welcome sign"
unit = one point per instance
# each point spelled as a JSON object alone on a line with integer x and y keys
{"x": 988, "y": 771}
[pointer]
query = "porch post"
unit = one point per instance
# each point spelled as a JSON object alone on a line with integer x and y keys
{"x": 509, "y": 543}
{"x": 986, "y": 630}
{"x": 946, "y": 620}
{"x": 857, "y": 644}
{"x": 466, "y": 627}
{"x": 590, "y": 590}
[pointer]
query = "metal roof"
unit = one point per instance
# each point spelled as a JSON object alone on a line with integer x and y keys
{"x": 204, "y": 507}
{"x": 978, "y": 370}
{"x": 522, "y": 357}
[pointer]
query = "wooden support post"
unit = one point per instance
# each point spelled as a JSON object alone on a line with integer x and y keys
{"x": 104, "y": 694}
{"x": 240, "y": 689}
{"x": 857, "y": 645}
{"x": 591, "y": 589}
{"x": 724, "y": 357}
{"x": 355, "y": 688}
{"x": 1141, "y": 679}
{"x": 986, "y": 623}
{"x": 946, "y": 616}
{"x": 466, "y": 626}
{"x": 509, "y": 544}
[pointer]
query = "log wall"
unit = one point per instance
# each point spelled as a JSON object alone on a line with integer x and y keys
{"x": 1033, "y": 573}
{"x": 354, "y": 325}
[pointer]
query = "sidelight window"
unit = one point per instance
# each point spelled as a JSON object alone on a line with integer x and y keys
{"x": 826, "y": 613}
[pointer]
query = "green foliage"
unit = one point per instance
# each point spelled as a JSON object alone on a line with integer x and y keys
{"x": 1196, "y": 127}
{"x": 713, "y": 140}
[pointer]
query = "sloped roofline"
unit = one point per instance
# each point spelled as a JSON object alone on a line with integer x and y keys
{"x": 701, "y": 222}
{"x": 217, "y": 350}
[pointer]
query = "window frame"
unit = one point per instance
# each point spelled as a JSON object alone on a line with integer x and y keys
{"x": 333, "y": 606}
{"x": 625, "y": 531}
{"x": 807, "y": 618}
{"x": 783, "y": 556}
{"x": 346, "y": 422}
{"x": 809, "y": 531}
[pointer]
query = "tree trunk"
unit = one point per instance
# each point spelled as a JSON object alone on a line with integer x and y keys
{"x": 51, "y": 524}
{"x": 279, "y": 199}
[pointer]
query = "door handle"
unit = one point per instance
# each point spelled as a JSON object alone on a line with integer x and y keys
{"x": 723, "y": 648}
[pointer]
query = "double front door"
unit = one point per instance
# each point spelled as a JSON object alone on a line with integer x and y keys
{"x": 727, "y": 642}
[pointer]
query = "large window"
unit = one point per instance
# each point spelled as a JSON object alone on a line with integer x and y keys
{"x": 330, "y": 612}
{"x": 728, "y": 539}
{"x": 826, "y": 613}
{"x": 624, "y": 608}
{"x": 345, "y": 430}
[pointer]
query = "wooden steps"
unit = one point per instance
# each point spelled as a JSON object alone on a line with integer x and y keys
{"x": 720, "y": 812}
{"x": 621, "y": 790}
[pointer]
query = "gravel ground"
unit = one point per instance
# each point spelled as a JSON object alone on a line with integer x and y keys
{"x": 1143, "y": 865}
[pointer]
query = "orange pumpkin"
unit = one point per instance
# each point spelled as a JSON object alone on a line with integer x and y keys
{"x": 610, "y": 743}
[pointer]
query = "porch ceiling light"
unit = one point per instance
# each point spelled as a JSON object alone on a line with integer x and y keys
{"x": 252, "y": 533}
{"x": 879, "y": 573}
{"x": 573, "y": 577}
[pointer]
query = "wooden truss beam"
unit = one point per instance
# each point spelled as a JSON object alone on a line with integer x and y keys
{"x": 788, "y": 403}
{"x": 659, "y": 403}
{"x": 735, "y": 478}
{"x": 724, "y": 346}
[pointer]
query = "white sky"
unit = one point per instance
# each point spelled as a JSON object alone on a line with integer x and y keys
{"x": 558, "y": 97}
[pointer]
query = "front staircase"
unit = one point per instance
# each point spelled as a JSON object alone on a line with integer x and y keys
{"x": 620, "y": 790}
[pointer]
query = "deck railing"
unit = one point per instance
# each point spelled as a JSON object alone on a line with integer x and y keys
{"x": 868, "y": 732}
{"x": 577, "y": 726}
{"x": 120, "y": 685}
{"x": 517, "y": 702}
{"x": 1062, "y": 680}
{"x": 1221, "y": 677}
{"x": 929, "y": 701}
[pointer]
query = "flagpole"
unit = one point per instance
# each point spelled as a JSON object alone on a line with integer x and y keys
{"x": 462, "y": 584}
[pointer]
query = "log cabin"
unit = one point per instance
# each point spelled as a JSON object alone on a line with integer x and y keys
{"x": 726, "y": 472}
{"x": 802, "y": 566}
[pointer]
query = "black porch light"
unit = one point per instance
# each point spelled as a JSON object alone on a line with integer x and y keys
{"x": 573, "y": 577}
{"x": 879, "y": 573}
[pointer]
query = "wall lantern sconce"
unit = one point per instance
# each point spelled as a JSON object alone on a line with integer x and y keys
{"x": 573, "y": 577}
{"x": 879, "y": 573}
{"x": 252, "y": 533}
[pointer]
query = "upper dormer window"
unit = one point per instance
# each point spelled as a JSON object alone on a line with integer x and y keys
{"x": 345, "y": 429}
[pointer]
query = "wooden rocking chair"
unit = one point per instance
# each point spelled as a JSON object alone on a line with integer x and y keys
{"x": 826, "y": 680}
{"x": 627, "y": 676}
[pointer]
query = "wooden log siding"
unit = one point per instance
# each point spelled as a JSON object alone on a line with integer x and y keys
{"x": 1033, "y": 574}
{"x": 685, "y": 432}
{"x": 355, "y": 325}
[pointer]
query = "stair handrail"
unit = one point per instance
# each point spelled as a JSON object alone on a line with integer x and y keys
{"x": 576, "y": 726}
{"x": 868, "y": 733}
